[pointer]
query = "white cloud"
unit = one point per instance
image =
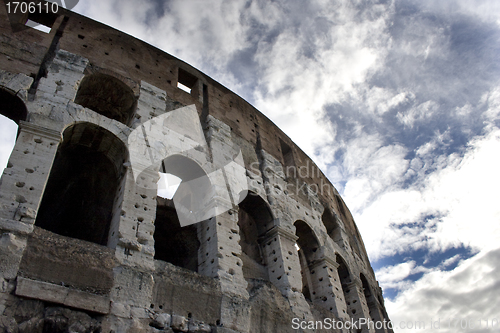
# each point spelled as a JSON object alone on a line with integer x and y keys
{"x": 417, "y": 114}
{"x": 461, "y": 296}
{"x": 460, "y": 196}
{"x": 8, "y": 133}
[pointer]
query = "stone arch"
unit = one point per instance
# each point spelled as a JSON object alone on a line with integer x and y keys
{"x": 107, "y": 96}
{"x": 308, "y": 250}
{"x": 175, "y": 243}
{"x": 330, "y": 220}
{"x": 12, "y": 106}
{"x": 344, "y": 276}
{"x": 254, "y": 220}
{"x": 366, "y": 287}
{"x": 85, "y": 187}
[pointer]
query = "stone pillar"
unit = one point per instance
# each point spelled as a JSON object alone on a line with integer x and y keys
{"x": 61, "y": 82}
{"x": 21, "y": 190}
{"x": 134, "y": 242}
{"x": 356, "y": 304}
{"x": 283, "y": 264}
{"x": 24, "y": 179}
{"x": 327, "y": 289}
{"x": 219, "y": 257}
{"x": 377, "y": 315}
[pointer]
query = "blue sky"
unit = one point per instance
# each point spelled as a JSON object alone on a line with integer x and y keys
{"x": 398, "y": 102}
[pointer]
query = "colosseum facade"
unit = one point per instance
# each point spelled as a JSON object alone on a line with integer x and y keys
{"x": 88, "y": 245}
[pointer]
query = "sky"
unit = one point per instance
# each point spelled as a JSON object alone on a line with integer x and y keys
{"x": 398, "y": 102}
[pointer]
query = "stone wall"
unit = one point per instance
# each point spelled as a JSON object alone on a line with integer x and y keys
{"x": 86, "y": 244}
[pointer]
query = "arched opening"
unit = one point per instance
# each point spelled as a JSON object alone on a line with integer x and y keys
{"x": 107, "y": 96}
{"x": 308, "y": 246}
{"x": 85, "y": 186}
{"x": 331, "y": 224}
{"x": 176, "y": 230}
{"x": 12, "y": 106}
{"x": 366, "y": 288}
{"x": 12, "y": 111}
{"x": 344, "y": 276}
{"x": 173, "y": 243}
{"x": 254, "y": 220}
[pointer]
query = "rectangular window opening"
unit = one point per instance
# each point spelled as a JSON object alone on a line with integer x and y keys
{"x": 286, "y": 150}
{"x": 43, "y": 21}
{"x": 186, "y": 81}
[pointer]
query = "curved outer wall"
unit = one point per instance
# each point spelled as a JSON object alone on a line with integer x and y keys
{"x": 289, "y": 250}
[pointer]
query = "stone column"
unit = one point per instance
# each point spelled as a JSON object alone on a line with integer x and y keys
{"x": 21, "y": 190}
{"x": 283, "y": 264}
{"x": 134, "y": 242}
{"x": 219, "y": 257}
{"x": 377, "y": 315}
{"x": 356, "y": 304}
{"x": 327, "y": 288}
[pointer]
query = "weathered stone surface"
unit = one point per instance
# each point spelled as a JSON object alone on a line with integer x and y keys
{"x": 62, "y": 260}
{"x": 180, "y": 323}
{"x": 93, "y": 234}
{"x": 161, "y": 320}
{"x": 63, "y": 295}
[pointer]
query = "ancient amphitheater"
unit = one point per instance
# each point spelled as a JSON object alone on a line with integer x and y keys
{"x": 258, "y": 239}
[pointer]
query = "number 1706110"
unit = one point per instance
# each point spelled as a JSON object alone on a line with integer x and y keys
{"x": 15, "y": 7}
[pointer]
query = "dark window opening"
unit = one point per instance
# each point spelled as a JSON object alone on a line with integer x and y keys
{"x": 366, "y": 288}
{"x": 307, "y": 246}
{"x": 41, "y": 21}
{"x": 340, "y": 203}
{"x": 254, "y": 220}
{"x": 186, "y": 81}
{"x": 288, "y": 160}
{"x": 344, "y": 276}
{"x": 107, "y": 96}
{"x": 331, "y": 224}
{"x": 173, "y": 243}
{"x": 82, "y": 194}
